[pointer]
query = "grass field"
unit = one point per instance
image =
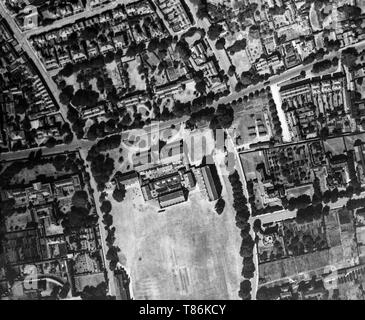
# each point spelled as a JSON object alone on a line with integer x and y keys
{"x": 186, "y": 252}
{"x": 134, "y": 76}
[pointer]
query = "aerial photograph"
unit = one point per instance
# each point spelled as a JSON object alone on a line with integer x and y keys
{"x": 182, "y": 150}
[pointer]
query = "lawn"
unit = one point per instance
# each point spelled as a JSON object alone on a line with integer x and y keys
{"x": 188, "y": 94}
{"x": 335, "y": 146}
{"x": 241, "y": 61}
{"x": 113, "y": 73}
{"x": 186, "y": 252}
{"x": 28, "y": 175}
{"x": 134, "y": 76}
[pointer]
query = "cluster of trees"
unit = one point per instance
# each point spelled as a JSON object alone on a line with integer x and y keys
{"x": 237, "y": 46}
{"x": 349, "y": 57}
{"x": 102, "y": 166}
{"x": 242, "y": 216}
{"x": 268, "y": 293}
{"x": 353, "y": 204}
{"x": 223, "y": 117}
{"x": 324, "y": 65}
{"x": 246, "y": 12}
{"x": 300, "y": 242}
{"x": 97, "y": 62}
{"x": 135, "y": 48}
{"x": 275, "y": 120}
{"x": 119, "y": 192}
{"x": 240, "y": 202}
{"x": 69, "y": 163}
{"x": 220, "y": 118}
{"x": 352, "y": 12}
{"x": 220, "y": 44}
{"x": 311, "y": 212}
{"x": 314, "y": 56}
{"x": 250, "y": 77}
{"x": 160, "y": 44}
{"x": 106, "y": 144}
{"x": 77, "y": 122}
{"x": 21, "y": 105}
{"x": 183, "y": 49}
{"x": 106, "y": 208}
{"x": 79, "y": 216}
{"x": 354, "y": 182}
{"x": 214, "y": 31}
{"x": 276, "y": 10}
{"x": 197, "y": 109}
{"x": 6, "y": 209}
{"x": 96, "y": 293}
{"x": 200, "y": 84}
{"x": 85, "y": 98}
{"x": 332, "y": 45}
{"x": 112, "y": 257}
{"x": 112, "y": 253}
{"x": 102, "y": 128}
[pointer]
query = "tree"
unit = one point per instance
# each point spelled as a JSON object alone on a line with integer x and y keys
{"x": 349, "y": 57}
{"x": 21, "y": 106}
{"x": 119, "y": 194}
{"x": 200, "y": 86}
{"x": 67, "y": 70}
{"x": 10, "y": 274}
{"x": 321, "y": 66}
{"x": 245, "y": 290}
{"x": 89, "y": 33}
{"x": 214, "y": 31}
{"x": 135, "y": 49}
{"x": 77, "y": 218}
{"x": 248, "y": 268}
{"x": 109, "y": 57}
{"x": 231, "y": 70}
{"x": 239, "y": 86}
{"x": 221, "y": 42}
{"x": 86, "y": 98}
{"x": 246, "y": 245}
{"x": 225, "y": 116}
{"x": 68, "y": 138}
{"x": 183, "y": 49}
{"x": 112, "y": 256}
{"x": 219, "y": 206}
{"x": 106, "y": 207}
{"x": 108, "y": 220}
{"x": 51, "y": 142}
{"x": 64, "y": 290}
{"x": 153, "y": 44}
{"x": 66, "y": 94}
{"x": 80, "y": 199}
{"x": 257, "y": 226}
